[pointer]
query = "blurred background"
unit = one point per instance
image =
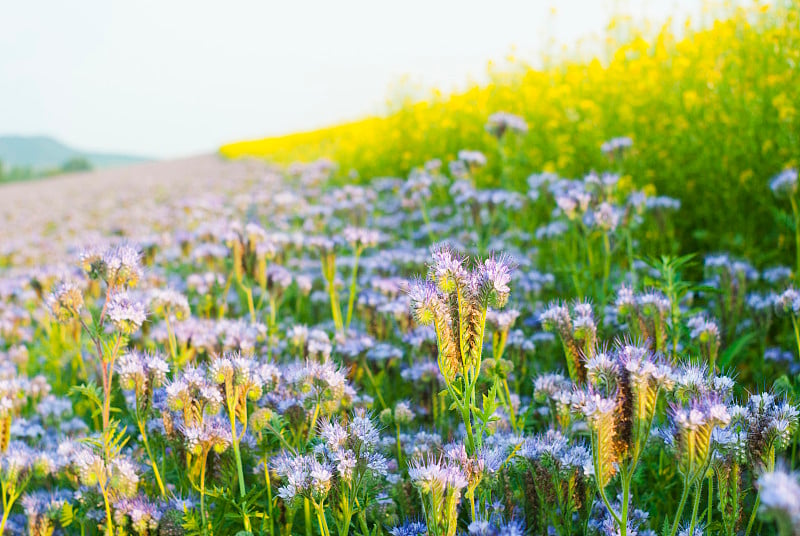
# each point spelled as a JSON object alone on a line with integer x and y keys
{"x": 167, "y": 79}
{"x": 706, "y": 91}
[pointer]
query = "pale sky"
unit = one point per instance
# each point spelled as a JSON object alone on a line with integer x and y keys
{"x": 168, "y": 78}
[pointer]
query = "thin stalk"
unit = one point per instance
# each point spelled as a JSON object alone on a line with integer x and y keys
{"x": 372, "y": 382}
{"x": 362, "y": 519}
{"x": 313, "y": 426}
{"x": 626, "y": 495}
{"x": 109, "y": 524}
{"x": 173, "y": 345}
{"x": 796, "y": 214}
{"x": 248, "y": 292}
{"x": 681, "y": 505}
{"x": 698, "y": 488}
{"x": 466, "y": 417}
{"x": 307, "y": 515}
{"x": 8, "y": 503}
{"x": 629, "y": 248}
{"x": 511, "y": 413}
{"x": 471, "y": 495}
{"x": 400, "y": 464}
{"x": 153, "y": 463}
{"x": 353, "y": 280}
{"x": 335, "y": 309}
{"x": 235, "y": 441}
{"x": 710, "y": 498}
{"x": 770, "y": 467}
{"x": 203, "y": 494}
{"x": 606, "y": 265}
{"x": 108, "y": 374}
{"x": 323, "y": 524}
{"x": 268, "y": 485}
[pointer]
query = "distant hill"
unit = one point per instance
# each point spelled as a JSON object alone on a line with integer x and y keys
{"x": 42, "y": 152}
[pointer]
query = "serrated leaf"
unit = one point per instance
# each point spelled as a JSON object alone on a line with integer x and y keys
{"x": 67, "y": 515}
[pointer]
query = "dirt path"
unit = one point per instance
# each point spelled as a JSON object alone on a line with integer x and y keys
{"x": 52, "y": 214}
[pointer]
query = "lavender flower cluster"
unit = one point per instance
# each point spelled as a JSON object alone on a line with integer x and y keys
{"x": 415, "y": 356}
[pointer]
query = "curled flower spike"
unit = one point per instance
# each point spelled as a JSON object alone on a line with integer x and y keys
{"x": 440, "y": 485}
{"x": 126, "y": 313}
{"x": 119, "y": 266}
{"x": 447, "y": 269}
{"x": 426, "y": 302}
{"x": 66, "y": 301}
{"x": 496, "y": 275}
{"x": 142, "y": 373}
{"x": 769, "y": 424}
{"x": 578, "y": 335}
{"x": 694, "y": 425}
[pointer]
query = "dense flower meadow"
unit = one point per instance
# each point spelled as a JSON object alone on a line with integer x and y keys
{"x": 416, "y": 356}
{"x": 712, "y": 104}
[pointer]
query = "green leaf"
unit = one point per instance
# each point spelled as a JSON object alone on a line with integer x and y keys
{"x": 735, "y": 348}
{"x": 784, "y": 386}
{"x": 90, "y": 391}
{"x": 67, "y": 515}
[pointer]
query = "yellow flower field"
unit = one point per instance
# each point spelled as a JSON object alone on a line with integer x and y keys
{"x": 712, "y": 115}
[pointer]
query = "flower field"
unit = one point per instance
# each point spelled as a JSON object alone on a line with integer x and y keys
{"x": 712, "y": 113}
{"x": 579, "y": 317}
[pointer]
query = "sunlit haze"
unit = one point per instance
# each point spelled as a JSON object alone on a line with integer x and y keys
{"x": 181, "y": 77}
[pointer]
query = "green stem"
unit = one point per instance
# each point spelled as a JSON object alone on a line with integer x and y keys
{"x": 796, "y": 213}
{"x": 203, "y": 494}
{"x": 238, "y": 456}
{"x": 626, "y": 496}
{"x": 710, "y": 499}
{"x": 323, "y": 524}
{"x": 681, "y": 505}
{"x": 268, "y": 485}
{"x": 770, "y": 467}
{"x": 352, "y": 298}
{"x": 400, "y": 464}
{"x": 8, "y": 503}
{"x": 606, "y": 265}
{"x": 173, "y": 345}
{"x": 698, "y": 488}
{"x": 313, "y": 426}
{"x": 467, "y": 418}
{"x": 248, "y": 291}
{"x": 511, "y": 413}
{"x": 143, "y": 431}
{"x": 372, "y": 382}
{"x": 629, "y": 247}
{"x": 109, "y": 524}
{"x": 307, "y": 515}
